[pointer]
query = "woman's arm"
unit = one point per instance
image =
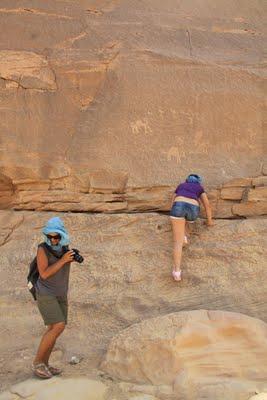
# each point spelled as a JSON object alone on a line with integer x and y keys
{"x": 205, "y": 201}
{"x": 46, "y": 271}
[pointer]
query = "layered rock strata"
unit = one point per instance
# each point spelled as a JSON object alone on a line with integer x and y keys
{"x": 106, "y": 191}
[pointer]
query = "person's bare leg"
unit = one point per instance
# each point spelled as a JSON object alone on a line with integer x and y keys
{"x": 47, "y": 342}
{"x": 186, "y": 233}
{"x": 49, "y": 351}
{"x": 46, "y": 356}
{"x": 178, "y": 230}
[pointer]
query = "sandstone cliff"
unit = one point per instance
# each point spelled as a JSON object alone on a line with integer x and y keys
{"x": 145, "y": 89}
{"x": 105, "y": 106}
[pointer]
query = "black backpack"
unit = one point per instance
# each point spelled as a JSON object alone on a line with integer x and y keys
{"x": 33, "y": 274}
{"x": 32, "y": 277}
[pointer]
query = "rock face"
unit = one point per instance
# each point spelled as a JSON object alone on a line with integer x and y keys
{"x": 148, "y": 89}
{"x": 125, "y": 279}
{"x": 200, "y": 353}
{"x": 27, "y": 70}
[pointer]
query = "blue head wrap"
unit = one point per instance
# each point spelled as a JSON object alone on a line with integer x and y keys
{"x": 56, "y": 225}
{"x": 193, "y": 178}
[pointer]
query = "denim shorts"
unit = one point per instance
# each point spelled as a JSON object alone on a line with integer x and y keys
{"x": 181, "y": 209}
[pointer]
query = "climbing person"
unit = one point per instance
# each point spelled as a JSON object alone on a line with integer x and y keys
{"x": 185, "y": 207}
{"x": 53, "y": 262}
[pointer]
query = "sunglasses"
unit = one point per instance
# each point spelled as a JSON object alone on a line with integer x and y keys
{"x": 50, "y": 237}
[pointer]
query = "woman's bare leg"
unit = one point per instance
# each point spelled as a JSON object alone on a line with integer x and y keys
{"x": 48, "y": 341}
{"x": 186, "y": 232}
{"x": 178, "y": 230}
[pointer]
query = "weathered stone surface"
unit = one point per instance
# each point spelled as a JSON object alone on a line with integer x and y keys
{"x": 83, "y": 193}
{"x": 224, "y": 387}
{"x": 6, "y": 183}
{"x": 146, "y": 89}
{"x": 250, "y": 209}
{"x": 232, "y": 193}
{"x": 259, "y": 181}
{"x": 71, "y": 194}
{"x": 223, "y": 209}
{"x": 108, "y": 182}
{"x": 8, "y": 396}
{"x": 30, "y": 387}
{"x": 260, "y": 396}
{"x": 63, "y": 200}
{"x": 20, "y": 170}
{"x": 154, "y": 198}
{"x": 142, "y": 397}
{"x": 29, "y": 70}
{"x": 241, "y": 182}
{"x": 77, "y": 193}
{"x": 257, "y": 194}
{"x": 82, "y": 389}
{"x": 160, "y": 350}
{"x": 76, "y": 184}
{"x": 30, "y": 185}
{"x": 6, "y": 192}
{"x": 125, "y": 279}
{"x": 164, "y": 392}
{"x": 6, "y": 198}
{"x": 59, "y": 389}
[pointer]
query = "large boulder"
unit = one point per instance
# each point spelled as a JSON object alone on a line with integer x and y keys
{"x": 202, "y": 354}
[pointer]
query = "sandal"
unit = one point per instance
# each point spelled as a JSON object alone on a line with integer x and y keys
{"x": 177, "y": 275}
{"x": 41, "y": 371}
{"x": 54, "y": 370}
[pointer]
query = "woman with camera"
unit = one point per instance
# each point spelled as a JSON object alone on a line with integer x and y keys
{"x": 53, "y": 262}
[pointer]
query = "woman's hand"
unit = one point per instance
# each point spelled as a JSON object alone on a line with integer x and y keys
{"x": 67, "y": 257}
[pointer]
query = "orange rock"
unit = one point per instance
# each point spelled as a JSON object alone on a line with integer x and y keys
{"x": 232, "y": 193}
{"x": 242, "y": 182}
{"x": 250, "y": 209}
{"x": 257, "y": 194}
{"x": 259, "y": 181}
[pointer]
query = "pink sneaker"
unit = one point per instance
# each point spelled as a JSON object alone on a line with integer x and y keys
{"x": 177, "y": 275}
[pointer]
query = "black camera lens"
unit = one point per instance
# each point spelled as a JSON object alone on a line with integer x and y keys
{"x": 77, "y": 257}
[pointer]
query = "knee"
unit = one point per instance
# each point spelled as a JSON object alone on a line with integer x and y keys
{"x": 58, "y": 328}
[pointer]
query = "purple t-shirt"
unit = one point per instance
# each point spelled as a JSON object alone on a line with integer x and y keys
{"x": 190, "y": 190}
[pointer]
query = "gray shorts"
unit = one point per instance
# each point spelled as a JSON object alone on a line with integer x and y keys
{"x": 53, "y": 309}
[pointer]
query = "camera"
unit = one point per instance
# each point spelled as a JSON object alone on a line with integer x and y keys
{"x": 77, "y": 257}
